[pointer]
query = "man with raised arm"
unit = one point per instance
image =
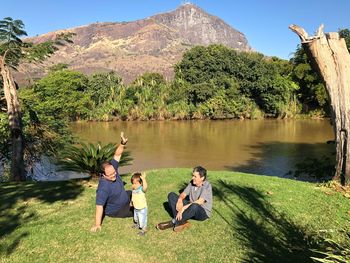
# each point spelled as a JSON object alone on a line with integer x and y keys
{"x": 111, "y": 198}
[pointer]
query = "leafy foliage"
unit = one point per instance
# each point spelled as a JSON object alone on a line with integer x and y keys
{"x": 4, "y": 137}
{"x": 10, "y": 43}
{"x": 319, "y": 168}
{"x": 89, "y": 157}
{"x": 47, "y": 108}
{"x": 61, "y": 95}
{"x": 149, "y": 92}
{"x": 210, "y": 82}
{"x": 108, "y": 94}
{"x": 14, "y": 49}
{"x": 345, "y": 33}
{"x": 103, "y": 86}
{"x": 334, "y": 251}
{"x": 217, "y": 72}
{"x": 312, "y": 93}
{"x": 37, "y": 133}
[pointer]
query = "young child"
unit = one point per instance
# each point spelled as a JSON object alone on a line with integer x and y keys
{"x": 138, "y": 199}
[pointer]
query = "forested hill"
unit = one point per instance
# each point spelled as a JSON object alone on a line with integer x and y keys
{"x": 153, "y": 44}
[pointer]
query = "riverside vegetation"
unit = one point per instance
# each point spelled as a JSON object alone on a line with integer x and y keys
{"x": 213, "y": 82}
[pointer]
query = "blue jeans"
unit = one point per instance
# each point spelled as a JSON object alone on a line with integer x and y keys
{"x": 140, "y": 217}
{"x": 194, "y": 211}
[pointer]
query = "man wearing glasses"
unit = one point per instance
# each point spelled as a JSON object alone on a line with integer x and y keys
{"x": 195, "y": 202}
{"x": 111, "y": 198}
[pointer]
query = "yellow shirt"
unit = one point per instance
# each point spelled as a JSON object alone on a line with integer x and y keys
{"x": 138, "y": 198}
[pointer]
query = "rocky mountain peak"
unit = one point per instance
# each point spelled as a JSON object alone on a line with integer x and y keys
{"x": 153, "y": 44}
{"x": 201, "y": 28}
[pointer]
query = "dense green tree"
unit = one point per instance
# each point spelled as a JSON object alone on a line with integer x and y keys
{"x": 10, "y": 55}
{"x": 60, "y": 95}
{"x": 4, "y": 137}
{"x": 150, "y": 95}
{"x": 345, "y": 33}
{"x": 48, "y": 106}
{"x": 312, "y": 92}
{"x": 179, "y": 89}
{"x": 217, "y": 73}
{"x": 104, "y": 86}
{"x": 109, "y": 95}
{"x": 203, "y": 64}
{"x": 13, "y": 51}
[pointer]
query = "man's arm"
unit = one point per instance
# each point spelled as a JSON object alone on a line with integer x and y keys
{"x": 199, "y": 201}
{"x": 98, "y": 218}
{"x": 180, "y": 201}
{"x": 118, "y": 152}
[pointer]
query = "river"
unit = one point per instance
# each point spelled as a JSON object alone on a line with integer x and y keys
{"x": 268, "y": 147}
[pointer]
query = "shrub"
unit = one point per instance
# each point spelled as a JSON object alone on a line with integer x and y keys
{"x": 334, "y": 251}
{"x": 319, "y": 168}
{"x": 89, "y": 157}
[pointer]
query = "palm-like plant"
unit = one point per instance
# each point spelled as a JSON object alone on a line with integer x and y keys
{"x": 88, "y": 157}
{"x": 10, "y": 42}
{"x": 334, "y": 251}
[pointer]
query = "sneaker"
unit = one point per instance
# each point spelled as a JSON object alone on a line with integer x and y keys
{"x": 181, "y": 227}
{"x": 165, "y": 225}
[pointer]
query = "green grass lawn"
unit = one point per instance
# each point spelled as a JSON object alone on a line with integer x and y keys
{"x": 255, "y": 219}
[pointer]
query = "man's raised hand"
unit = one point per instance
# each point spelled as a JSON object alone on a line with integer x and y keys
{"x": 123, "y": 139}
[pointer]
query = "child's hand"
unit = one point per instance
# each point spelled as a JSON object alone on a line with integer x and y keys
{"x": 143, "y": 175}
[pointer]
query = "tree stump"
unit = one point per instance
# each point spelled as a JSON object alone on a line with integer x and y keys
{"x": 330, "y": 57}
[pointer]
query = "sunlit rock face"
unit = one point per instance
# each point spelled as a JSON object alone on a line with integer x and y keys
{"x": 153, "y": 44}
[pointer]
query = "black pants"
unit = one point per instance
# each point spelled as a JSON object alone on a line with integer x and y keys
{"x": 126, "y": 210}
{"x": 194, "y": 211}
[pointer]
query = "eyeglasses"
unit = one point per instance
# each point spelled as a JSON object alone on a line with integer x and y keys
{"x": 110, "y": 175}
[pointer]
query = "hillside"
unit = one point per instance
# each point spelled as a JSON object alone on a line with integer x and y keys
{"x": 153, "y": 44}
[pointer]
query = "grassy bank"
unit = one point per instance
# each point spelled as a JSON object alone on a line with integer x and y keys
{"x": 255, "y": 219}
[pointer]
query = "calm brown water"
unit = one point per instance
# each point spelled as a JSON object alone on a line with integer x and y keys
{"x": 270, "y": 147}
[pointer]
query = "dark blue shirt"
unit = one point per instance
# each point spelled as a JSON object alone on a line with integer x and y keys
{"x": 111, "y": 194}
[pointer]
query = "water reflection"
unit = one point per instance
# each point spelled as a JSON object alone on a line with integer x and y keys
{"x": 270, "y": 147}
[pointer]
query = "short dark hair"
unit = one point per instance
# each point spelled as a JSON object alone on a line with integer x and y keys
{"x": 202, "y": 171}
{"x": 103, "y": 167}
{"x": 137, "y": 176}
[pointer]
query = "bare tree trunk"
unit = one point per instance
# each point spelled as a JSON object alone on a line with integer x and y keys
{"x": 14, "y": 113}
{"x": 329, "y": 55}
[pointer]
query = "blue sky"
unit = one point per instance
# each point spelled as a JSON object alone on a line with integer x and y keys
{"x": 264, "y": 22}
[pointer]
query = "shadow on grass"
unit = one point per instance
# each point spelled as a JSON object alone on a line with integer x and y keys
{"x": 15, "y": 210}
{"x": 280, "y": 158}
{"x": 168, "y": 209}
{"x": 181, "y": 187}
{"x": 268, "y": 235}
